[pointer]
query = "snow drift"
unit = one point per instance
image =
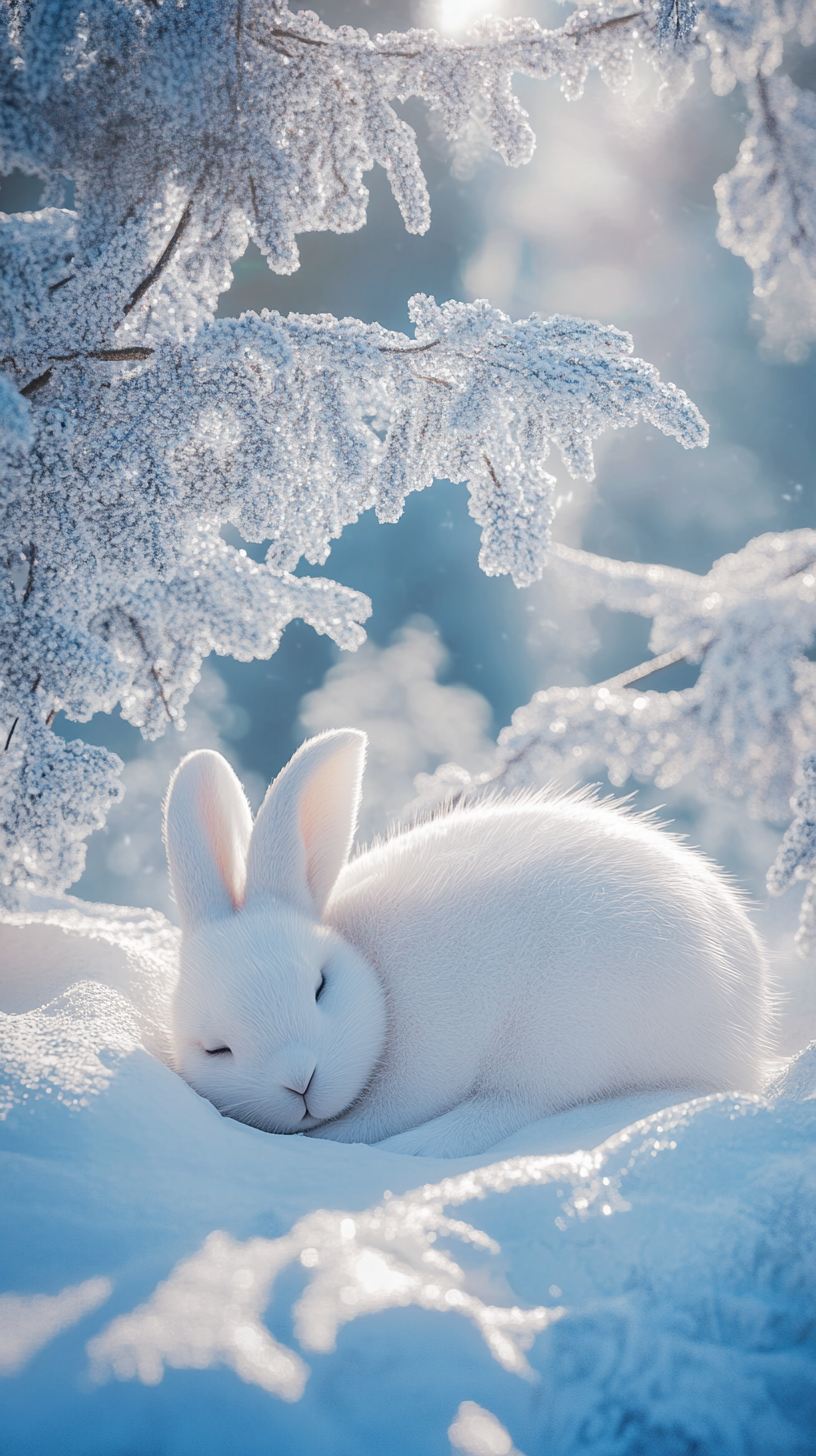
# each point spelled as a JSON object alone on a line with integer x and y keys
{"x": 621, "y": 1278}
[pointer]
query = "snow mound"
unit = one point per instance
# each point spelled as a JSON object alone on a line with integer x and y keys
{"x": 625, "y": 1279}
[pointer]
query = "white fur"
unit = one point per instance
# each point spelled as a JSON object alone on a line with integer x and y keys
{"x": 485, "y": 969}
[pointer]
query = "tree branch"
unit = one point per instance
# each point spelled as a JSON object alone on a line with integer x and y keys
{"x": 153, "y": 673}
{"x": 493, "y": 475}
{"x": 607, "y": 24}
{"x": 622, "y": 680}
{"x": 35, "y": 384}
{"x": 107, "y": 356}
{"x": 32, "y": 561}
{"x": 141, "y": 288}
{"x": 646, "y": 669}
{"x": 772, "y": 127}
{"x": 418, "y": 349}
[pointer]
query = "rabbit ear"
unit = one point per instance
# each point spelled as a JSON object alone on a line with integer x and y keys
{"x": 304, "y": 830}
{"x": 207, "y": 825}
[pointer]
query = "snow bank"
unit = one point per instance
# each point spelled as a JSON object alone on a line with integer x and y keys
{"x": 182, "y": 1285}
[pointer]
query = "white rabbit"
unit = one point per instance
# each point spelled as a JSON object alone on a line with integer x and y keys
{"x": 457, "y": 981}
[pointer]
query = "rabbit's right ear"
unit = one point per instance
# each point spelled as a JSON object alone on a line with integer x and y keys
{"x": 306, "y": 824}
{"x": 207, "y": 825}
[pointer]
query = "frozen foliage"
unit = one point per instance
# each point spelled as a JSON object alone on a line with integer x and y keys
{"x": 135, "y": 425}
{"x": 277, "y": 427}
{"x": 256, "y": 76}
{"x": 15, "y": 428}
{"x": 796, "y": 859}
{"x": 603, "y": 1278}
{"x": 741, "y": 729}
{"x": 117, "y": 579}
{"x": 768, "y": 202}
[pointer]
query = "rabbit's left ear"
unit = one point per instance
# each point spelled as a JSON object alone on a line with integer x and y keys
{"x": 306, "y": 823}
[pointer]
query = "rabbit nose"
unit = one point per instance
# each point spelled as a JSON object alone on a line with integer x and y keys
{"x": 301, "y": 1084}
{"x": 298, "y": 1076}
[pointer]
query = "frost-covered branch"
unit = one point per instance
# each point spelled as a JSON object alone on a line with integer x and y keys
{"x": 200, "y": 127}
{"x": 796, "y": 859}
{"x": 741, "y": 729}
{"x": 768, "y": 202}
{"x": 117, "y": 581}
{"x": 135, "y": 425}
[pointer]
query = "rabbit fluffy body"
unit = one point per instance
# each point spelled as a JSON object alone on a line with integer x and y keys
{"x": 447, "y": 986}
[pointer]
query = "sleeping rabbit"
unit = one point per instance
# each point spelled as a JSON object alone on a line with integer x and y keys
{"x": 448, "y": 986}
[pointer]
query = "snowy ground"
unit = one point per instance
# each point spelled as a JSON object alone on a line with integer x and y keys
{"x": 181, "y": 1285}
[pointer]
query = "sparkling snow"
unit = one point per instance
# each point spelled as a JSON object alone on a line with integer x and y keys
{"x": 621, "y": 1278}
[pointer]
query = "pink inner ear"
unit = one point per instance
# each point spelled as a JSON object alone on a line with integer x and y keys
{"x": 207, "y": 828}
{"x": 327, "y": 819}
{"x": 227, "y": 848}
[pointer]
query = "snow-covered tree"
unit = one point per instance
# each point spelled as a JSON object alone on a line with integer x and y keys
{"x": 136, "y": 425}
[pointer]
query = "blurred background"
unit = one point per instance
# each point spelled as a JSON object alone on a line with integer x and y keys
{"x": 614, "y": 219}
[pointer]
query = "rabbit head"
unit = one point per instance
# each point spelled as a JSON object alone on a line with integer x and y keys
{"x": 277, "y": 1019}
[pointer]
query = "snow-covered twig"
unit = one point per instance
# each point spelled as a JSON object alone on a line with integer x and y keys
{"x": 741, "y": 729}
{"x": 796, "y": 859}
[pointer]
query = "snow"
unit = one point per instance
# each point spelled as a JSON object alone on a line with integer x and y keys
{"x": 622, "y": 1278}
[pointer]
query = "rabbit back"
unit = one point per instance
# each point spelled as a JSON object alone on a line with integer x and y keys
{"x": 549, "y": 951}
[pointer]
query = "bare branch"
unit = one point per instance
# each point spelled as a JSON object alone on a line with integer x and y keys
{"x": 646, "y": 669}
{"x": 153, "y": 673}
{"x": 154, "y": 273}
{"x": 420, "y": 348}
{"x": 493, "y": 475}
{"x": 607, "y": 24}
{"x": 35, "y": 384}
{"x": 32, "y": 561}
{"x": 110, "y": 356}
{"x": 293, "y": 35}
{"x": 107, "y": 356}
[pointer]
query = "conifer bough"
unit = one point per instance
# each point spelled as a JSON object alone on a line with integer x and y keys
{"x": 135, "y": 425}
